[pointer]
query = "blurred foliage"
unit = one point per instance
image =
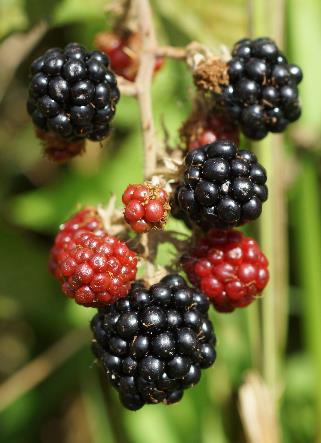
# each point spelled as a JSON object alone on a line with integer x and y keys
{"x": 36, "y": 196}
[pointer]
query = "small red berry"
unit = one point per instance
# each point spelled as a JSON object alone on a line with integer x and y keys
{"x": 162, "y": 195}
{"x": 141, "y": 226}
{"x": 141, "y": 192}
{"x": 123, "y": 52}
{"x": 154, "y": 211}
{"x": 202, "y": 129}
{"x": 128, "y": 194}
{"x": 134, "y": 211}
{"x": 228, "y": 267}
{"x": 146, "y": 207}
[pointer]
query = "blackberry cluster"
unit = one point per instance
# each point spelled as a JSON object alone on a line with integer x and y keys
{"x": 262, "y": 93}
{"x": 92, "y": 267}
{"x": 72, "y": 93}
{"x": 222, "y": 187}
{"x": 154, "y": 343}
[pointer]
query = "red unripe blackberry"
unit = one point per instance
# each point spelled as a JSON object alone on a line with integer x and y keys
{"x": 123, "y": 52}
{"x": 85, "y": 220}
{"x": 72, "y": 97}
{"x": 201, "y": 130}
{"x": 93, "y": 268}
{"x": 228, "y": 267}
{"x": 146, "y": 207}
{"x": 155, "y": 343}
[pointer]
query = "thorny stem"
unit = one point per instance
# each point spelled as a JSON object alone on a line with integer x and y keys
{"x": 141, "y": 89}
{"x": 143, "y": 86}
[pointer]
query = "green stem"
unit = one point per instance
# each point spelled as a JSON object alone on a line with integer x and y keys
{"x": 268, "y": 17}
{"x": 267, "y": 226}
{"x": 254, "y": 333}
{"x": 307, "y": 214}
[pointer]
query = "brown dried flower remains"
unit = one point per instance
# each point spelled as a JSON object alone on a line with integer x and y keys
{"x": 211, "y": 74}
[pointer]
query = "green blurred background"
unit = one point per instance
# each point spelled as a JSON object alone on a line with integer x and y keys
{"x": 44, "y": 337}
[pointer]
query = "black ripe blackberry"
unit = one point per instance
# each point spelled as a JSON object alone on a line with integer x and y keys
{"x": 154, "y": 343}
{"x": 262, "y": 93}
{"x": 222, "y": 187}
{"x": 72, "y": 95}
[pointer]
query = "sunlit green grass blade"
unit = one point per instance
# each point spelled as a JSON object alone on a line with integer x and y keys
{"x": 306, "y": 211}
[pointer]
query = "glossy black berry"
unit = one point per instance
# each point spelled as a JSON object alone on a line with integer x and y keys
{"x": 207, "y": 356}
{"x": 173, "y": 397}
{"x": 253, "y": 123}
{"x": 227, "y": 191}
{"x": 247, "y": 91}
{"x": 252, "y": 209}
{"x": 48, "y": 106}
{"x": 39, "y": 84}
{"x": 161, "y": 294}
{"x": 132, "y": 402}
{"x": 270, "y": 95}
{"x": 74, "y": 91}
{"x": 223, "y": 149}
{"x": 82, "y": 92}
{"x": 39, "y": 119}
{"x": 164, "y": 345}
{"x": 101, "y": 96}
{"x": 139, "y": 346}
{"x": 264, "y": 48}
{"x": 295, "y": 73}
{"x": 236, "y": 68}
{"x": 61, "y": 124}
{"x": 37, "y": 65}
{"x": 98, "y": 56}
{"x": 174, "y": 319}
{"x": 183, "y": 298}
{"x": 153, "y": 319}
{"x": 187, "y": 341}
{"x": 81, "y": 115}
{"x": 59, "y": 89}
{"x": 193, "y": 376}
{"x": 257, "y": 69}
{"x": 153, "y": 343}
{"x": 215, "y": 169}
{"x": 206, "y": 193}
{"x": 178, "y": 367}
{"x": 53, "y": 64}
{"x": 127, "y": 324}
{"x": 151, "y": 368}
{"x": 129, "y": 366}
{"x": 260, "y": 81}
{"x": 103, "y": 115}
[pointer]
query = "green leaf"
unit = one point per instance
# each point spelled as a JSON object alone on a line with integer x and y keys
{"x": 304, "y": 39}
{"x": 46, "y": 208}
{"x": 12, "y": 17}
{"x": 69, "y": 11}
{"x": 207, "y": 21}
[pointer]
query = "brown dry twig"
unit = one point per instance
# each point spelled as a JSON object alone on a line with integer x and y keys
{"x": 41, "y": 367}
{"x": 257, "y": 410}
{"x": 192, "y": 54}
{"x": 14, "y": 49}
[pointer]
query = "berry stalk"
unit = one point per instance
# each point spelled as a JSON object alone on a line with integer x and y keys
{"x": 144, "y": 82}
